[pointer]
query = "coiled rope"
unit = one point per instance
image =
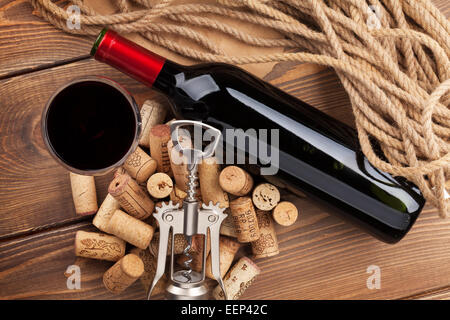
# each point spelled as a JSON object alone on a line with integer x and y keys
{"x": 392, "y": 57}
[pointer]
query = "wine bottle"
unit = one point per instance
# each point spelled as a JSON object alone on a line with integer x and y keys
{"x": 317, "y": 154}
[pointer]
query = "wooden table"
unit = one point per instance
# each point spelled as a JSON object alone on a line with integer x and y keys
{"x": 321, "y": 256}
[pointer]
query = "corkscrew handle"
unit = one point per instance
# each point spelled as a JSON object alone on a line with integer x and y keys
{"x": 194, "y": 155}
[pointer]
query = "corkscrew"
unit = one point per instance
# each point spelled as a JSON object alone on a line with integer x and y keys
{"x": 189, "y": 220}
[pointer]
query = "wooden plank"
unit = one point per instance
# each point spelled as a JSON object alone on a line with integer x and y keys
{"x": 321, "y": 257}
{"x": 443, "y": 6}
{"x": 439, "y": 294}
{"x": 35, "y": 267}
{"x": 27, "y": 41}
{"x": 34, "y": 189}
{"x": 324, "y": 258}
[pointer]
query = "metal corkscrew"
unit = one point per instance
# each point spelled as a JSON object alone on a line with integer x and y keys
{"x": 192, "y": 219}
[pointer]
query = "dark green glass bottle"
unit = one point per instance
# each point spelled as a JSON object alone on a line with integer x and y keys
{"x": 317, "y": 154}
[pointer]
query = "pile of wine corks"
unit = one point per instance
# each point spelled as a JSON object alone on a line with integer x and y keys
{"x": 150, "y": 176}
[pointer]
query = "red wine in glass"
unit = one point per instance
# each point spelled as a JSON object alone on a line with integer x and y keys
{"x": 91, "y": 125}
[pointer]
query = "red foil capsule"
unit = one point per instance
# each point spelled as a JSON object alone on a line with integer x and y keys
{"x": 128, "y": 57}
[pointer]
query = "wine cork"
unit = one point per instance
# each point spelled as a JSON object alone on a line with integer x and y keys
{"x": 196, "y": 252}
{"x": 277, "y": 182}
{"x": 100, "y": 246}
{"x": 198, "y": 242}
{"x": 123, "y": 273}
{"x": 227, "y": 228}
{"x": 119, "y": 171}
{"x": 130, "y": 229}
{"x": 238, "y": 279}
{"x": 178, "y": 162}
{"x": 180, "y": 244}
{"x": 244, "y": 219}
{"x": 131, "y": 197}
{"x": 158, "y": 139}
{"x": 208, "y": 174}
{"x": 267, "y": 244}
{"x": 84, "y": 194}
{"x": 227, "y": 248}
{"x": 285, "y": 213}
{"x": 159, "y": 185}
{"x": 236, "y": 181}
{"x": 177, "y": 196}
{"x": 104, "y": 214}
{"x": 150, "y": 264}
{"x": 140, "y": 165}
{"x": 266, "y": 196}
{"x": 153, "y": 112}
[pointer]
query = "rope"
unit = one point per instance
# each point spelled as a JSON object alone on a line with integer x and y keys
{"x": 392, "y": 57}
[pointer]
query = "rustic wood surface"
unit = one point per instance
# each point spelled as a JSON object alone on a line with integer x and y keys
{"x": 321, "y": 257}
{"x": 28, "y": 43}
{"x": 34, "y": 190}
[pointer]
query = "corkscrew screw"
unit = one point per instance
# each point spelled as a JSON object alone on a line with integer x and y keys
{"x": 190, "y": 220}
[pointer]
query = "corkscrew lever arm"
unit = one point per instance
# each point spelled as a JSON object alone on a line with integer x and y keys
{"x": 166, "y": 220}
{"x": 162, "y": 254}
{"x": 214, "y": 232}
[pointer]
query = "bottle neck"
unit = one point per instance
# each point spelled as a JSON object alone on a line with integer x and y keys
{"x": 136, "y": 61}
